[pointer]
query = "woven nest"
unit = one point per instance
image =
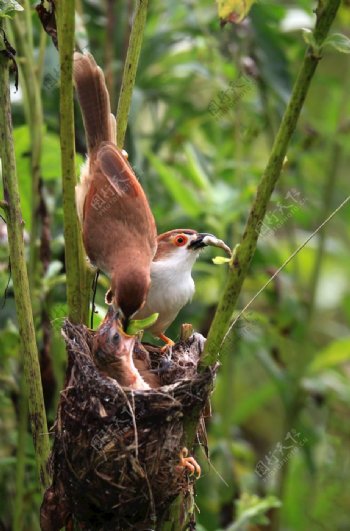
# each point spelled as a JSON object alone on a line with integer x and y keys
{"x": 115, "y": 453}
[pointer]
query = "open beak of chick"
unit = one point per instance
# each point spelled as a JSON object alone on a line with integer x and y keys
{"x": 203, "y": 239}
{"x": 113, "y": 353}
{"x": 110, "y": 341}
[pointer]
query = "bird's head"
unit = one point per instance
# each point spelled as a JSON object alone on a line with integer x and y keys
{"x": 182, "y": 246}
{"x": 110, "y": 341}
{"x": 129, "y": 288}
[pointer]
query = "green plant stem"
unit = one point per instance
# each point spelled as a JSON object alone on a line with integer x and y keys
{"x": 41, "y": 56}
{"x": 245, "y": 252}
{"x": 179, "y": 515}
{"x": 76, "y": 266}
{"x": 18, "y": 511}
{"x": 109, "y": 50}
{"x": 34, "y": 115}
{"x": 20, "y": 280}
{"x": 130, "y": 68}
{"x": 31, "y": 89}
{"x": 328, "y": 195}
{"x": 28, "y": 15}
{"x": 270, "y": 120}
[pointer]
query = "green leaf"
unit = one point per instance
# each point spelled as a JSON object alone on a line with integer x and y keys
{"x": 339, "y": 42}
{"x": 136, "y": 325}
{"x": 252, "y": 509}
{"x": 7, "y": 461}
{"x": 195, "y": 171}
{"x": 219, "y": 260}
{"x": 50, "y": 164}
{"x": 182, "y": 194}
{"x": 336, "y": 353}
{"x": 8, "y": 7}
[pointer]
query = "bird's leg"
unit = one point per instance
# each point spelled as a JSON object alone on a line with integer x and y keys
{"x": 94, "y": 289}
{"x": 188, "y": 462}
{"x": 168, "y": 342}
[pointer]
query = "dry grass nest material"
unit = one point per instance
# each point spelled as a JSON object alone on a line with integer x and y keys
{"x": 115, "y": 450}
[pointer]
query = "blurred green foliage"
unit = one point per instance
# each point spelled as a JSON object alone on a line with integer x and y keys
{"x": 206, "y": 108}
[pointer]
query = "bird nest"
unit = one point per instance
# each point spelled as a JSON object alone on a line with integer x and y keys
{"x": 116, "y": 451}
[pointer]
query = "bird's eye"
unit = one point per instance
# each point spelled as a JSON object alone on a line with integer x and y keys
{"x": 116, "y": 338}
{"x": 181, "y": 240}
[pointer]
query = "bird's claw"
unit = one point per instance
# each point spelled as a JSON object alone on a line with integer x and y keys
{"x": 188, "y": 462}
{"x": 168, "y": 343}
{"x": 166, "y": 347}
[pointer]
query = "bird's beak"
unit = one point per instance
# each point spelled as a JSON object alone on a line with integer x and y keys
{"x": 200, "y": 241}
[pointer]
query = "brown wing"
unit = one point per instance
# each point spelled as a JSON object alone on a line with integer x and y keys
{"x": 118, "y": 171}
{"x": 116, "y": 212}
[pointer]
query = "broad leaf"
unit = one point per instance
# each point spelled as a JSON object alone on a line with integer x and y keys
{"x": 182, "y": 194}
{"x": 336, "y": 353}
{"x": 8, "y": 8}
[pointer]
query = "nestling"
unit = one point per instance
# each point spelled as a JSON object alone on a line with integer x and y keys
{"x": 119, "y": 230}
{"x": 172, "y": 285}
{"x": 113, "y": 353}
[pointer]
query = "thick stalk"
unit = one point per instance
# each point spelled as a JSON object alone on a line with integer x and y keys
{"x": 22, "y": 426}
{"x": 109, "y": 49}
{"x": 20, "y": 280}
{"x": 31, "y": 90}
{"x": 41, "y": 56}
{"x": 130, "y": 68}
{"x": 76, "y": 267}
{"x": 22, "y": 26}
{"x": 245, "y": 253}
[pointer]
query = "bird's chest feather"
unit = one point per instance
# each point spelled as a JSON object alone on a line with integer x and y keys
{"x": 172, "y": 285}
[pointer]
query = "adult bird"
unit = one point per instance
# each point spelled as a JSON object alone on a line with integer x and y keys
{"x": 172, "y": 285}
{"x": 119, "y": 231}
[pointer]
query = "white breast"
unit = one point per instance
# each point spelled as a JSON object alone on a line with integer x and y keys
{"x": 171, "y": 288}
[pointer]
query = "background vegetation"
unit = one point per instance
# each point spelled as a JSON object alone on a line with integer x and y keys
{"x": 205, "y": 110}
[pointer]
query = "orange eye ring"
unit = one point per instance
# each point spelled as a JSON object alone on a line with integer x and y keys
{"x": 180, "y": 240}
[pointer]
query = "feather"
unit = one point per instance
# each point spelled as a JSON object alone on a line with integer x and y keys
{"x": 94, "y": 101}
{"x": 117, "y": 170}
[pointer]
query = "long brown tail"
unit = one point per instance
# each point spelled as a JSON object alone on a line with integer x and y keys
{"x": 94, "y": 101}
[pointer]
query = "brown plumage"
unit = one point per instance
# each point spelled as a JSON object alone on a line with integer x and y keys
{"x": 119, "y": 231}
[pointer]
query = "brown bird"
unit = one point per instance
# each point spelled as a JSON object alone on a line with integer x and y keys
{"x": 172, "y": 285}
{"x": 112, "y": 351}
{"x": 119, "y": 230}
